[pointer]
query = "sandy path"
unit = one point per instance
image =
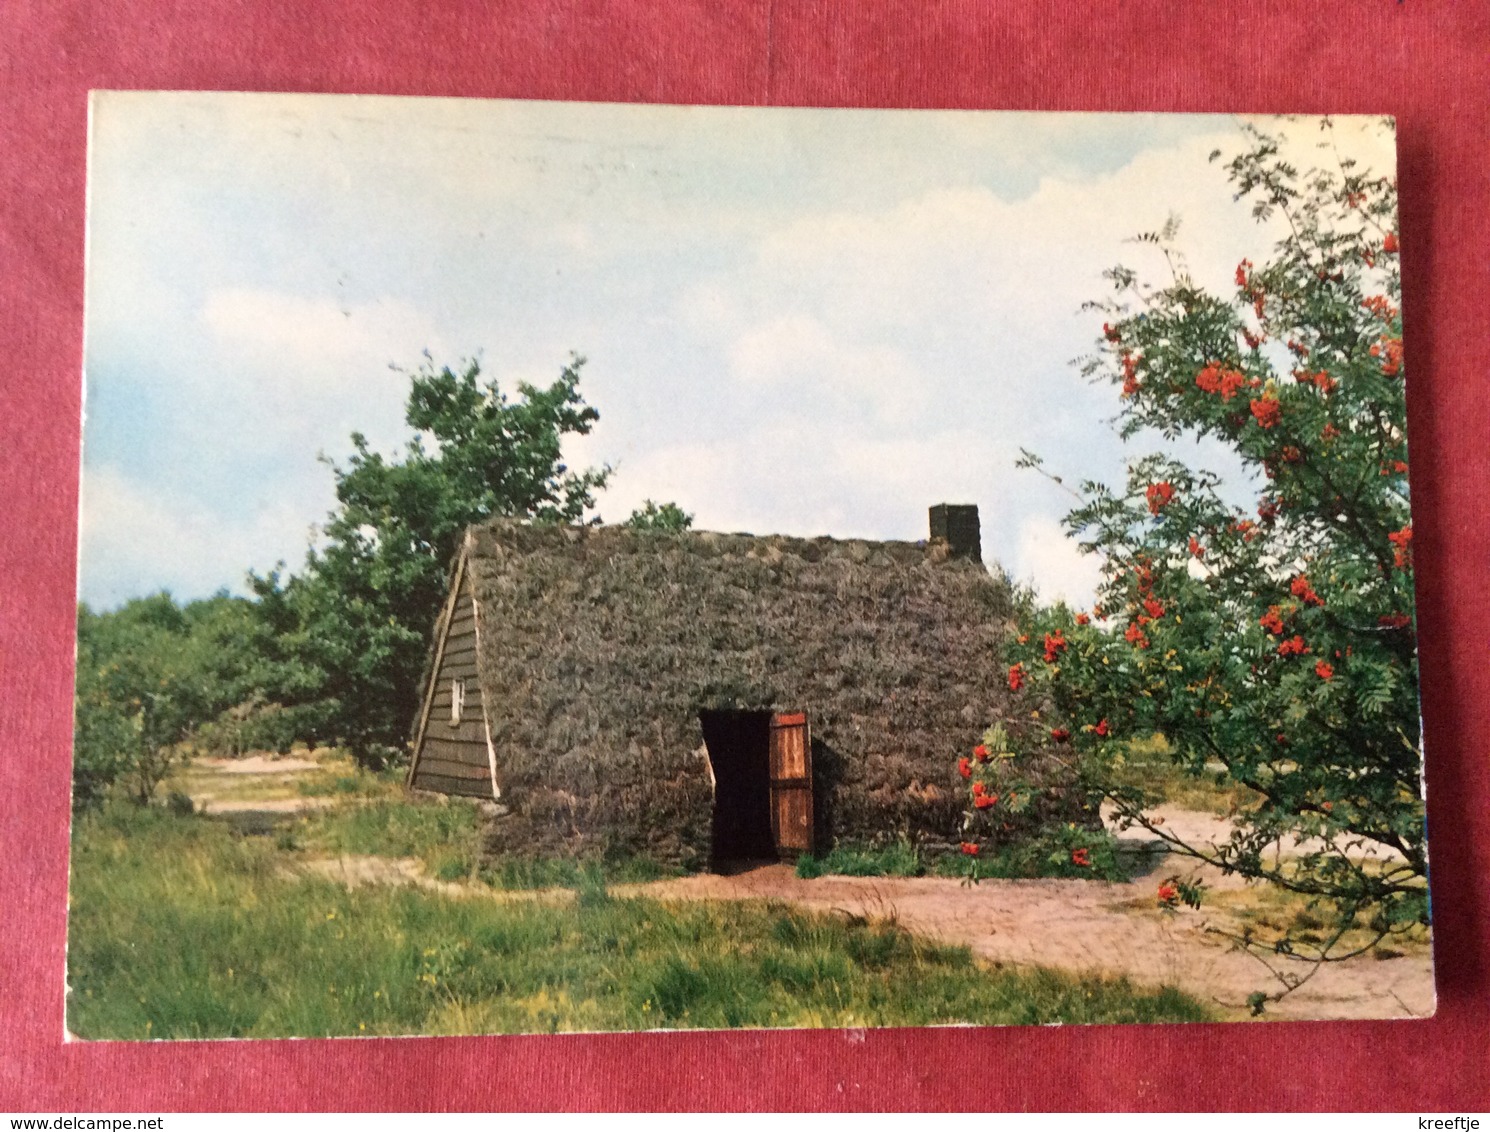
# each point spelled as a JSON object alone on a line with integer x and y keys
{"x": 1205, "y": 831}
{"x": 210, "y": 804}
{"x": 252, "y": 774}
{"x": 357, "y": 871}
{"x": 256, "y": 764}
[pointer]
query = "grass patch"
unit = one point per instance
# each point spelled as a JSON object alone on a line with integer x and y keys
{"x": 1154, "y": 767}
{"x": 376, "y": 817}
{"x": 200, "y": 781}
{"x": 897, "y": 859}
{"x": 441, "y": 833}
{"x": 360, "y": 783}
{"x": 517, "y": 873}
{"x": 179, "y": 928}
{"x": 1270, "y": 913}
{"x": 1054, "y": 855}
{"x": 340, "y": 776}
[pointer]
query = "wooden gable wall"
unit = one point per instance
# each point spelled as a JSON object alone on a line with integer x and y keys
{"x": 450, "y": 757}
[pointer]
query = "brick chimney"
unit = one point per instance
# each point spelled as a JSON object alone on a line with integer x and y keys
{"x": 957, "y": 523}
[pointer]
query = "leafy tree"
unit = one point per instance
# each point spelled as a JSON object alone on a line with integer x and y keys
{"x": 361, "y": 610}
{"x": 1272, "y": 644}
{"x": 149, "y": 675}
{"x": 659, "y": 517}
{"x": 104, "y": 736}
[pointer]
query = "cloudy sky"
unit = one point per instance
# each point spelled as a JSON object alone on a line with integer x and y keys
{"x": 797, "y": 321}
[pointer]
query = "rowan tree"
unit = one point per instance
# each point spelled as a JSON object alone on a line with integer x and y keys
{"x": 1271, "y": 641}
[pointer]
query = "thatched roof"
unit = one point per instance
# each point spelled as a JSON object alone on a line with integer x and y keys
{"x": 600, "y": 646}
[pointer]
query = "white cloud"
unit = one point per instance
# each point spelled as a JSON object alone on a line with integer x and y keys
{"x": 798, "y": 353}
{"x": 312, "y": 331}
{"x": 1054, "y": 564}
{"x": 960, "y": 258}
{"x": 708, "y": 308}
{"x": 813, "y": 478}
{"x": 308, "y": 351}
{"x": 954, "y": 307}
{"x": 282, "y": 378}
{"x": 137, "y": 540}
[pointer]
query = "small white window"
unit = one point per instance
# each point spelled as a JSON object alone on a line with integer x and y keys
{"x": 457, "y": 700}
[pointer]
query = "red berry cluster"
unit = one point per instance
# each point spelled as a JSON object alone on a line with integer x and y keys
{"x": 1272, "y": 620}
{"x": 1301, "y": 589}
{"x": 1267, "y": 410}
{"x": 1055, "y": 644}
{"x": 1294, "y": 646}
{"x": 1158, "y": 496}
{"x": 1214, "y": 379}
{"x": 1389, "y": 351}
{"x": 1318, "y": 378}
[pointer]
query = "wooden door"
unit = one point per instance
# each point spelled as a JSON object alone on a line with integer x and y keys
{"x": 791, "y": 784}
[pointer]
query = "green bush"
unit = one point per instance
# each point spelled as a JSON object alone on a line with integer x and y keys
{"x": 1057, "y": 852}
{"x": 1053, "y": 852}
{"x": 895, "y": 859}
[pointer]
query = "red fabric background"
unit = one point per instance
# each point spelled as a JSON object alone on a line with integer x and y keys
{"x": 1429, "y": 64}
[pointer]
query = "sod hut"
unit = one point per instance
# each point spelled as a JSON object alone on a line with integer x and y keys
{"x": 697, "y": 697}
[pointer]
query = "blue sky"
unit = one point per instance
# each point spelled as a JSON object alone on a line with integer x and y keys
{"x": 798, "y": 321}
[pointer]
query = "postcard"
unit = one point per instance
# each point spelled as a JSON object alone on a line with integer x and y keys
{"x": 575, "y": 567}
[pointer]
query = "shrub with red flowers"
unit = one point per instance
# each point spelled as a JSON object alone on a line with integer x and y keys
{"x": 1301, "y": 589}
{"x": 1283, "y": 651}
{"x": 1402, "y": 544}
{"x": 1022, "y": 808}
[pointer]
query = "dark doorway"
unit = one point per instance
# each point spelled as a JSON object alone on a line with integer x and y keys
{"x": 739, "y": 745}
